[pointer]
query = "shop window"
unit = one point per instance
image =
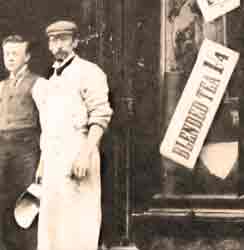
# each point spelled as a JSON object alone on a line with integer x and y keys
{"x": 218, "y": 169}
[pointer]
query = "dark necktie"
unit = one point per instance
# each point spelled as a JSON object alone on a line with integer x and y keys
{"x": 60, "y": 69}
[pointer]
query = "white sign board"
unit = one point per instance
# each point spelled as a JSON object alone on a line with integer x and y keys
{"x": 198, "y": 104}
{"x": 212, "y": 9}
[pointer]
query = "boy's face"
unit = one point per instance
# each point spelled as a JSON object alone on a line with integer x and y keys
{"x": 15, "y": 55}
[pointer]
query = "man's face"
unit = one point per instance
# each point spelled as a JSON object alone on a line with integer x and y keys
{"x": 15, "y": 55}
{"x": 61, "y": 46}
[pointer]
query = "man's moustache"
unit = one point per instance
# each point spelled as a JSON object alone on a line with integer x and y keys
{"x": 61, "y": 55}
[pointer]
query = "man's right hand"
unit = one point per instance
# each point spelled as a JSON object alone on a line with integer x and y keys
{"x": 39, "y": 172}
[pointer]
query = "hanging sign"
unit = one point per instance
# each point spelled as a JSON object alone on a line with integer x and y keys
{"x": 198, "y": 104}
{"x": 212, "y": 9}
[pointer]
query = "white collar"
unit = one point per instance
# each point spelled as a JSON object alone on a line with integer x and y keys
{"x": 19, "y": 73}
{"x": 57, "y": 64}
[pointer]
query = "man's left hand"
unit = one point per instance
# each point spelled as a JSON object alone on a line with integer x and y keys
{"x": 82, "y": 164}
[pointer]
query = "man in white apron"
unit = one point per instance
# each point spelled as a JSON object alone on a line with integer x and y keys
{"x": 74, "y": 112}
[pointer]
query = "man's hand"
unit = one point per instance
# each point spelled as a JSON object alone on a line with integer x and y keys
{"x": 39, "y": 172}
{"x": 82, "y": 164}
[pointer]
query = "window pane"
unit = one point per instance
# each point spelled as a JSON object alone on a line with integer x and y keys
{"x": 216, "y": 171}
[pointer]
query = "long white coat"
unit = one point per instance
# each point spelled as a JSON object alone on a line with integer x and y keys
{"x": 70, "y": 212}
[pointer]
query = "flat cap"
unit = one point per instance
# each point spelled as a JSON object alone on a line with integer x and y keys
{"x": 61, "y": 27}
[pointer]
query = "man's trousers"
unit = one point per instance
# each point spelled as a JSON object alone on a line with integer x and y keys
{"x": 19, "y": 156}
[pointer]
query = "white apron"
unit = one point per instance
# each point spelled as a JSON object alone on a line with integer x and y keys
{"x": 70, "y": 211}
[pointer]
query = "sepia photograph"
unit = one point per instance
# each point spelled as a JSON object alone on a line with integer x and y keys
{"x": 121, "y": 125}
